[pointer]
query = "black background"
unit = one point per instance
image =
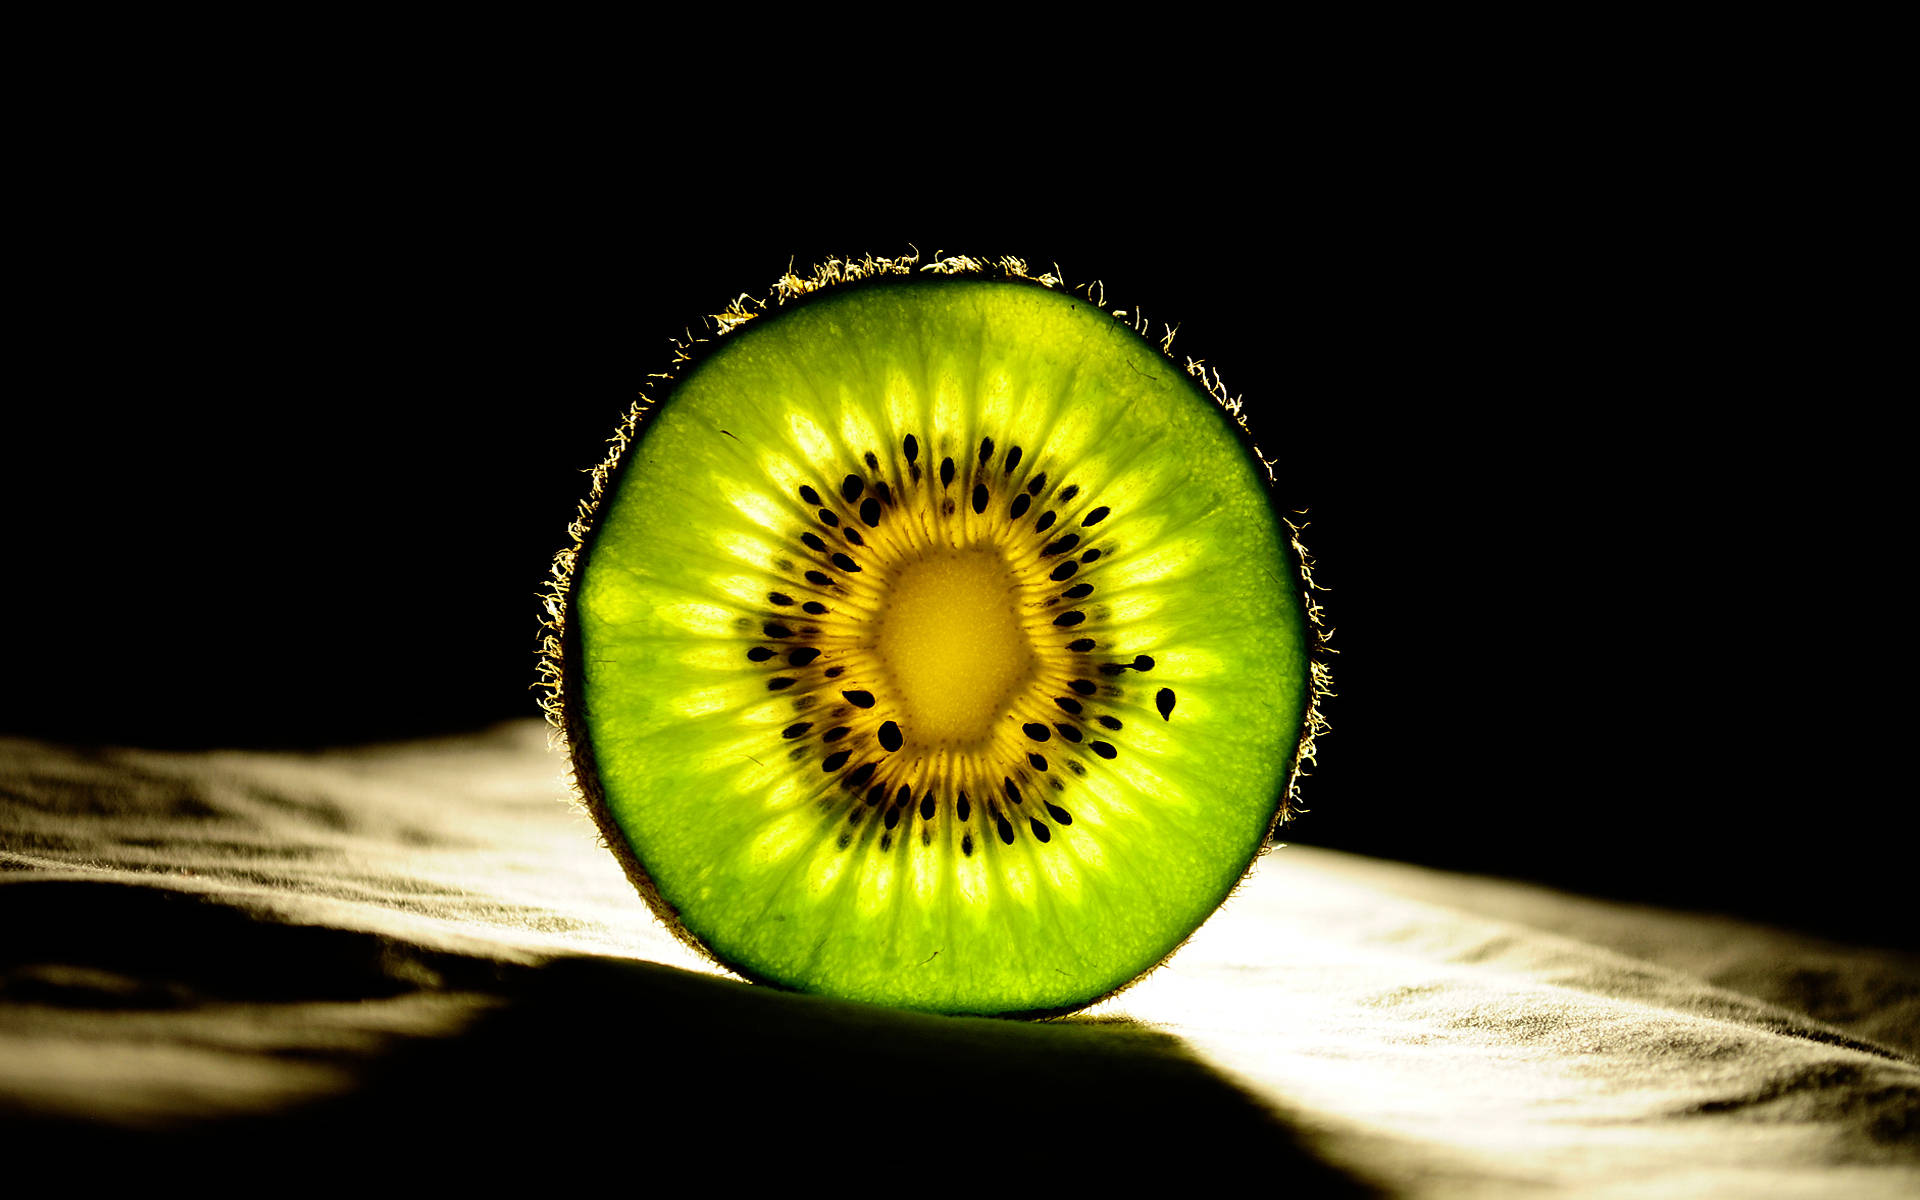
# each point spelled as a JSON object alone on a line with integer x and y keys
{"x": 308, "y": 439}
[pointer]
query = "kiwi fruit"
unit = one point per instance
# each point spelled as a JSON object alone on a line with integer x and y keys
{"x": 933, "y": 640}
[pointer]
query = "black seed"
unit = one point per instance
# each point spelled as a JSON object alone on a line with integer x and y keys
{"x": 1080, "y": 645}
{"x": 1109, "y": 722}
{"x": 1164, "y": 702}
{"x": 890, "y": 736}
{"x": 1059, "y": 814}
{"x": 886, "y": 493}
{"x": 859, "y": 778}
{"x": 1068, "y": 704}
{"x": 781, "y": 684}
{"x": 794, "y": 731}
{"x": 859, "y": 699}
{"x": 1096, "y": 516}
{"x": 1036, "y": 483}
{"x": 903, "y": 798}
{"x": 833, "y": 762}
{"x": 815, "y": 607}
{"x": 835, "y": 734}
{"x": 851, "y": 486}
{"x": 893, "y": 818}
{"x": 813, "y": 541}
{"x": 1061, "y": 546}
{"x": 1019, "y": 508}
{"x": 827, "y": 517}
{"x": 1083, "y": 686}
{"x": 833, "y": 672}
{"x": 986, "y": 450}
{"x": 1142, "y": 662}
{"x": 979, "y": 497}
{"x": 803, "y": 656}
{"x": 1068, "y": 732}
{"x": 911, "y": 447}
{"x": 1039, "y": 762}
{"x": 926, "y": 835}
{"x": 809, "y": 495}
{"x": 1113, "y": 668}
{"x": 1006, "y": 830}
{"x": 870, "y": 512}
{"x": 773, "y": 630}
{"x": 946, "y": 472}
{"x": 873, "y": 463}
{"x": 1069, "y": 492}
{"x": 1073, "y": 617}
{"x": 1079, "y": 591}
{"x": 853, "y": 818}
{"x": 845, "y": 563}
{"x": 1044, "y": 523}
{"x": 926, "y": 807}
{"x": 759, "y": 654}
{"x": 876, "y": 794}
{"x": 1089, "y": 556}
{"x": 1075, "y": 767}
{"x": 965, "y": 808}
{"x": 1013, "y": 459}
{"x": 820, "y": 578}
{"x": 1012, "y": 789}
{"x": 966, "y": 844}
{"x": 1035, "y": 730}
{"x": 853, "y": 535}
{"x": 1103, "y": 749}
{"x": 846, "y": 839}
{"x": 1064, "y": 571}
{"x": 779, "y": 598}
{"x": 1040, "y": 831}
{"x": 886, "y": 840}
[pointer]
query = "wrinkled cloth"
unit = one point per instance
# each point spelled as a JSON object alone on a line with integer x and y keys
{"x": 418, "y": 959}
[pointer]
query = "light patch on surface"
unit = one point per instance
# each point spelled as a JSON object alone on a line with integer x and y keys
{"x": 1019, "y": 881}
{"x": 950, "y": 407}
{"x": 743, "y": 548}
{"x": 703, "y": 702}
{"x": 876, "y": 887}
{"x": 1136, "y": 570}
{"x": 1065, "y": 880}
{"x": 829, "y": 863}
{"x": 1128, "y": 609}
{"x": 712, "y": 657}
{"x": 705, "y": 620}
{"x": 856, "y": 429}
{"x": 814, "y": 444}
{"x": 761, "y": 509}
{"x": 997, "y": 400}
{"x": 746, "y": 590}
{"x": 778, "y": 841}
{"x": 970, "y": 879}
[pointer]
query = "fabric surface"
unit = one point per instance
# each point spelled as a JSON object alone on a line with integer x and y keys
{"x": 417, "y": 960}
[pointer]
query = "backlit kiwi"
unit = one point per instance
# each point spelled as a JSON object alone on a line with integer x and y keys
{"x": 932, "y": 640}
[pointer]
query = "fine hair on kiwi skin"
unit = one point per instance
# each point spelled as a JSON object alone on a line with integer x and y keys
{"x": 560, "y": 646}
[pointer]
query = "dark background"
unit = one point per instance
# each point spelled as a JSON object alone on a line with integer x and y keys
{"x": 307, "y": 441}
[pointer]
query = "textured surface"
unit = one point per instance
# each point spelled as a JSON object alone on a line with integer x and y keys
{"x": 414, "y": 959}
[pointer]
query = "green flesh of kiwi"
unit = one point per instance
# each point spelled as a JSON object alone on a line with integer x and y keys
{"x": 934, "y": 643}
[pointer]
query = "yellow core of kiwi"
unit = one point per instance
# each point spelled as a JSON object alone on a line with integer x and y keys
{"x": 951, "y": 639}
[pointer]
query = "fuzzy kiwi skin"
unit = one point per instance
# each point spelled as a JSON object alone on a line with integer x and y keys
{"x": 563, "y": 653}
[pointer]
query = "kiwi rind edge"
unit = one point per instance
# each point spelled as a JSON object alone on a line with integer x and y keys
{"x": 559, "y": 637}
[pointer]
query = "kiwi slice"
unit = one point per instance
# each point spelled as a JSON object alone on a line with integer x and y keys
{"x": 934, "y": 642}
